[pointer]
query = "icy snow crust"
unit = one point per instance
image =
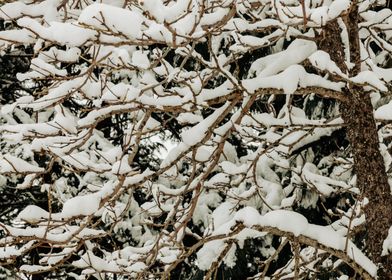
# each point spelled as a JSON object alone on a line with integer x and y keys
{"x": 210, "y": 103}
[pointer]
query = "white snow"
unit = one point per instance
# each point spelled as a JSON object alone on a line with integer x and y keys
{"x": 113, "y": 154}
{"x": 196, "y": 134}
{"x": 33, "y": 214}
{"x": 232, "y": 169}
{"x": 384, "y": 112}
{"x": 63, "y": 33}
{"x": 65, "y": 120}
{"x": 83, "y": 205}
{"x": 208, "y": 254}
{"x": 56, "y": 234}
{"x": 11, "y": 164}
{"x": 41, "y": 69}
{"x": 98, "y": 114}
{"x": 369, "y": 78}
{"x": 189, "y": 118}
{"x": 297, "y": 224}
{"x": 26, "y": 268}
{"x": 286, "y": 221}
{"x": 322, "y": 61}
{"x": 387, "y": 244}
{"x": 223, "y": 213}
{"x": 132, "y": 46}
{"x": 27, "y": 182}
{"x": 203, "y": 153}
{"x": 292, "y": 78}
{"x": 323, "y": 184}
{"x": 103, "y": 16}
{"x": 9, "y": 252}
{"x": 140, "y": 59}
{"x": 321, "y": 15}
{"x": 18, "y": 9}
{"x": 97, "y": 263}
{"x": 337, "y": 7}
{"x": 56, "y": 94}
{"x": 272, "y": 64}
{"x": 70, "y": 55}
{"x": 122, "y": 166}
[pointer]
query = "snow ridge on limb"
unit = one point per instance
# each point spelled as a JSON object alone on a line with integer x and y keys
{"x": 292, "y": 226}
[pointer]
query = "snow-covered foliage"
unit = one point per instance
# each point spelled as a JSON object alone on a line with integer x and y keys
{"x": 173, "y": 137}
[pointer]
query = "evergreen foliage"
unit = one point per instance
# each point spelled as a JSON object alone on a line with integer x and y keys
{"x": 185, "y": 139}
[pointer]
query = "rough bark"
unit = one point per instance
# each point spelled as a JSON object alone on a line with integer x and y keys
{"x": 357, "y": 113}
{"x": 371, "y": 176}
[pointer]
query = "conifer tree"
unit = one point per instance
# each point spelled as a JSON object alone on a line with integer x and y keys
{"x": 196, "y": 139}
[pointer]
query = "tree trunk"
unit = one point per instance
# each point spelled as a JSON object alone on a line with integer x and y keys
{"x": 371, "y": 176}
{"x": 357, "y": 113}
